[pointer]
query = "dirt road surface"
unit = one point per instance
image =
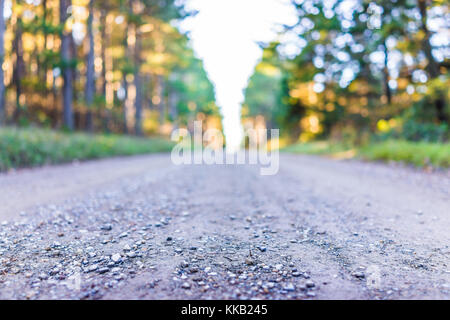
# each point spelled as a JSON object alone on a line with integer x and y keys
{"x": 142, "y": 228}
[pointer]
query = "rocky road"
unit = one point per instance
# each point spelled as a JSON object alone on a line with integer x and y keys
{"x": 142, "y": 228}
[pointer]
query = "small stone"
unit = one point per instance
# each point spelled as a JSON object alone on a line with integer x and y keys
{"x": 131, "y": 254}
{"x": 249, "y": 262}
{"x": 103, "y": 270}
{"x": 289, "y": 287}
{"x": 296, "y": 274}
{"x": 126, "y": 247}
{"x": 186, "y": 285}
{"x": 116, "y": 257}
{"x": 359, "y": 274}
{"x": 302, "y": 287}
{"x": 107, "y": 227}
{"x": 262, "y": 249}
{"x": 92, "y": 268}
{"x": 54, "y": 272}
{"x": 193, "y": 270}
{"x": 169, "y": 239}
{"x": 43, "y": 276}
{"x": 310, "y": 284}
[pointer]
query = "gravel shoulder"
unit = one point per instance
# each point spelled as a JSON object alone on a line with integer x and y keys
{"x": 141, "y": 228}
{"x": 28, "y": 188}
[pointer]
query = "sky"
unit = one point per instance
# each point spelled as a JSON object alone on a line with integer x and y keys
{"x": 224, "y": 35}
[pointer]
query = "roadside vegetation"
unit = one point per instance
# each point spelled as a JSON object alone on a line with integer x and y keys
{"x": 105, "y": 68}
{"x": 416, "y": 153}
{"x": 420, "y": 154}
{"x": 119, "y": 67}
{"x": 357, "y": 79}
{"x": 30, "y": 147}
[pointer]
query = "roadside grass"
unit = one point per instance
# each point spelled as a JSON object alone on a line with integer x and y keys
{"x": 416, "y": 153}
{"x": 30, "y": 147}
{"x": 318, "y": 148}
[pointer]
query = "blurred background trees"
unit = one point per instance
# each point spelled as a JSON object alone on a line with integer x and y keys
{"x": 346, "y": 70}
{"x": 352, "y": 68}
{"x": 116, "y": 66}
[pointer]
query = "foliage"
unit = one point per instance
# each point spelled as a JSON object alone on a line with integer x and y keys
{"x": 143, "y": 67}
{"x": 416, "y": 153}
{"x": 417, "y": 131}
{"x": 419, "y": 154}
{"x": 317, "y": 147}
{"x": 351, "y": 64}
{"x": 36, "y": 147}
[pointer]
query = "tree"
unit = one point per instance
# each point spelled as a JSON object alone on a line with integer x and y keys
{"x": 2, "y": 57}
{"x": 264, "y": 92}
{"x": 136, "y": 10}
{"x": 90, "y": 68}
{"x": 433, "y": 66}
{"x": 55, "y": 44}
{"x": 19, "y": 66}
{"x": 66, "y": 65}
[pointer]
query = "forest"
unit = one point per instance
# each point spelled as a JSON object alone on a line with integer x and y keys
{"x": 116, "y": 66}
{"x": 355, "y": 72}
{"x": 347, "y": 74}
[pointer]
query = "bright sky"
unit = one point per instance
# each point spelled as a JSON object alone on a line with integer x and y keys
{"x": 224, "y": 34}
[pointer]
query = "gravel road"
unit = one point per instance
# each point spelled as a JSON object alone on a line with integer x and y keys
{"x": 142, "y": 228}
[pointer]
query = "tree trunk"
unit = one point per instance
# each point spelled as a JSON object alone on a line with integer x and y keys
{"x": 90, "y": 73}
{"x": 125, "y": 85}
{"x": 2, "y": 57}
{"x": 433, "y": 66}
{"x": 19, "y": 67}
{"x": 173, "y": 101}
{"x": 42, "y": 67}
{"x": 387, "y": 89}
{"x": 103, "y": 50}
{"x": 137, "y": 75}
{"x": 138, "y": 84}
{"x": 162, "y": 108}
{"x": 124, "y": 103}
{"x": 104, "y": 43}
{"x": 66, "y": 57}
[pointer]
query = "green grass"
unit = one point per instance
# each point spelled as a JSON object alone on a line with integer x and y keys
{"x": 317, "y": 147}
{"x": 416, "y": 153}
{"x": 31, "y": 147}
